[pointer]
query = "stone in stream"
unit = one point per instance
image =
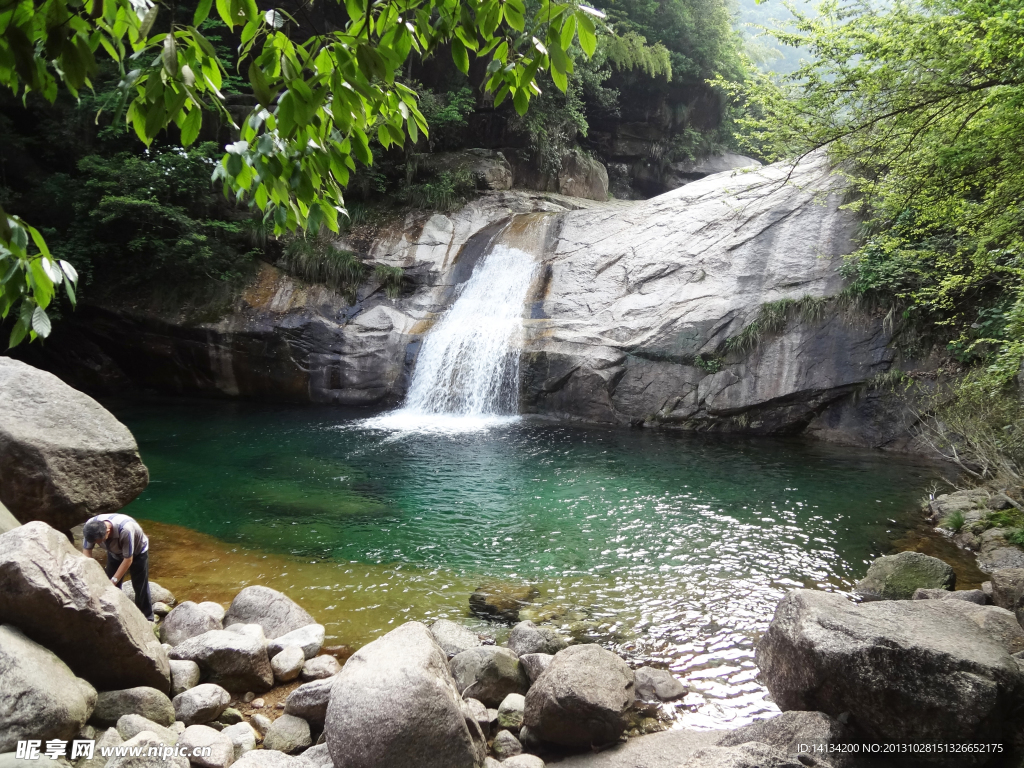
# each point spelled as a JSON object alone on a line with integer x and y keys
{"x": 149, "y": 754}
{"x": 66, "y": 603}
{"x": 309, "y": 701}
{"x": 975, "y": 596}
{"x": 232, "y": 660}
{"x": 911, "y": 671}
{"x": 394, "y": 704}
{"x": 454, "y": 638}
{"x": 581, "y": 699}
{"x": 288, "y": 734}
{"x": 534, "y": 664}
{"x": 63, "y": 456}
{"x": 275, "y": 612}
{"x": 510, "y": 713}
{"x": 184, "y": 675}
{"x": 187, "y": 620}
{"x": 201, "y": 704}
{"x": 40, "y": 698}
{"x": 243, "y": 738}
{"x": 157, "y": 594}
{"x": 792, "y": 732}
{"x": 199, "y": 739}
{"x": 320, "y": 668}
{"x": 657, "y": 685}
{"x": 527, "y": 637}
{"x": 752, "y": 755}
{"x": 309, "y": 639}
{"x": 897, "y": 577}
{"x": 148, "y": 702}
{"x": 501, "y": 601}
{"x": 489, "y": 673}
{"x": 129, "y": 726}
{"x": 506, "y": 745}
{"x": 287, "y": 664}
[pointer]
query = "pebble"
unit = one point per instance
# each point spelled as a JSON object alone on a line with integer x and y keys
{"x": 248, "y": 697}
{"x": 258, "y": 703}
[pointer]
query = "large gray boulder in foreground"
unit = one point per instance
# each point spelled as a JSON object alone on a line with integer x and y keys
{"x": 229, "y": 659}
{"x": 40, "y": 698}
{"x": 63, "y": 456}
{"x": 897, "y": 577}
{"x": 277, "y": 613}
{"x": 581, "y": 699}
{"x": 394, "y": 704}
{"x": 65, "y": 602}
{"x": 795, "y": 734}
{"x": 919, "y": 671}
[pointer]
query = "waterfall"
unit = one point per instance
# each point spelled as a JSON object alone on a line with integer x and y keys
{"x": 467, "y": 370}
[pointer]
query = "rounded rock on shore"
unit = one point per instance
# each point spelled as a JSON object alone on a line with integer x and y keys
{"x": 287, "y": 664}
{"x": 185, "y": 621}
{"x": 142, "y": 700}
{"x": 288, "y": 734}
{"x": 320, "y": 668}
{"x": 454, "y": 638}
{"x": 274, "y": 611}
{"x": 526, "y": 637}
{"x": 202, "y": 738}
{"x": 202, "y": 704}
{"x": 897, "y": 577}
{"x": 488, "y": 673}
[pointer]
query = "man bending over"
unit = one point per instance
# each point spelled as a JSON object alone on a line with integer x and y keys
{"x": 127, "y": 552}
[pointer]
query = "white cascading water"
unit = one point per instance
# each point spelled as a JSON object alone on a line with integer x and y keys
{"x": 467, "y": 371}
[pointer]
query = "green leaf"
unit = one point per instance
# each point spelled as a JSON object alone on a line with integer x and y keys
{"x": 568, "y": 31}
{"x": 587, "y": 33}
{"x": 149, "y": 19}
{"x": 18, "y": 333}
{"x": 460, "y": 56}
{"x": 170, "y": 54}
{"x": 521, "y": 100}
{"x": 260, "y": 87}
{"x": 190, "y": 127}
{"x": 202, "y": 12}
{"x": 560, "y": 80}
{"x": 41, "y": 322}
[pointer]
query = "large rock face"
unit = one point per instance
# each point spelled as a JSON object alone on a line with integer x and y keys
{"x": 40, "y": 698}
{"x": 64, "y": 601}
{"x": 63, "y": 456}
{"x": 903, "y": 671}
{"x": 394, "y": 704}
{"x": 641, "y": 312}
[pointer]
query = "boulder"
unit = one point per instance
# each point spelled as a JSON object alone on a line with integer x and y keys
{"x": 184, "y": 675}
{"x": 897, "y": 577}
{"x": 63, "y": 456}
{"x": 309, "y": 639}
{"x": 243, "y": 738}
{"x": 129, "y": 726}
{"x": 975, "y": 596}
{"x": 657, "y": 685}
{"x": 488, "y": 673}
{"x": 506, "y": 745}
{"x": 276, "y": 613}
{"x": 216, "y": 610}
{"x": 40, "y": 698}
{"x": 582, "y": 176}
{"x": 157, "y": 594}
{"x": 793, "y": 733}
{"x": 751, "y": 755}
{"x": 261, "y": 723}
{"x": 108, "y": 738}
{"x": 394, "y": 704}
{"x": 185, "y": 621}
{"x": 288, "y": 664}
{"x": 534, "y": 664}
{"x": 230, "y": 716}
{"x": 501, "y": 601}
{"x": 162, "y": 757}
{"x": 489, "y": 170}
{"x": 269, "y": 758}
{"x": 309, "y": 701}
{"x": 527, "y": 637}
{"x": 522, "y": 761}
{"x": 65, "y": 602}
{"x": 318, "y": 757}
{"x": 478, "y": 712}
{"x": 148, "y": 702}
{"x": 510, "y": 712}
{"x": 903, "y": 671}
{"x": 202, "y": 704}
{"x": 320, "y": 668}
{"x": 199, "y": 739}
{"x": 288, "y": 734}
{"x": 1007, "y": 587}
{"x": 232, "y": 660}
{"x": 998, "y": 623}
{"x": 454, "y": 638}
{"x": 255, "y": 631}
{"x": 581, "y": 699}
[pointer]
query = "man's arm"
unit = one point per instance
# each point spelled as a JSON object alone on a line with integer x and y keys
{"x": 87, "y": 552}
{"x": 121, "y": 570}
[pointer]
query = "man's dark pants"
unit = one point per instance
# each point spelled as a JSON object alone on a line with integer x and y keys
{"x": 139, "y": 571}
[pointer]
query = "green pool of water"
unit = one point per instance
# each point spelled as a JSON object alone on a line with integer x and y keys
{"x": 673, "y": 549}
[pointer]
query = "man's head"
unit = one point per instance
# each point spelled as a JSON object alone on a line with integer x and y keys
{"x": 95, "y": 531}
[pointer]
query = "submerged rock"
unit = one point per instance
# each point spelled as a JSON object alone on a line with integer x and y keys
{"x": 40, "y": 698}
{"x": 581, "y": 699}
{"x": 395, "y": 704}
{"x": 65, "y": 602}
{"x": 63, "y": 456}
{"x": 897, "y": 577}
{"x": 488, "y": 673}
{"x": 234, "y": 661}
{"x": 501, "y": 601}
{"x": 901, "y": 671}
